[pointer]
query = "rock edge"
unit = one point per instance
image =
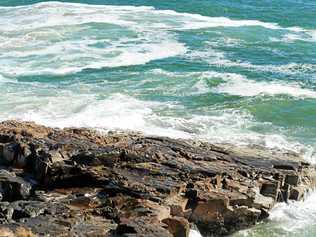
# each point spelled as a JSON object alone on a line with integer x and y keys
{"x": 78, "y": 182}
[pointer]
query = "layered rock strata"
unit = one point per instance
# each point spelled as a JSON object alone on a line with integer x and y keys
{"x": 78, "y": 182}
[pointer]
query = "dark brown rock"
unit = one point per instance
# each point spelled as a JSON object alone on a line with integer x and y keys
{"x": 77, "y": 182}
{"x": 13, "y": 187}
{"x": 178, "y": 226}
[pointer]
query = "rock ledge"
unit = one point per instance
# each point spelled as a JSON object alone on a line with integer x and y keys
{"x": 77, "y": 182}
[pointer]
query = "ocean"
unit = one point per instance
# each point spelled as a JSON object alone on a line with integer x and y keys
{"x": 229, "y": 71}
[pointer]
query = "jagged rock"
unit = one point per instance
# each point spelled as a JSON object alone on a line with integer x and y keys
{"x": 13, "y": 187}
{"x": 62, "y": 215}
{"x": 77, "y": 182}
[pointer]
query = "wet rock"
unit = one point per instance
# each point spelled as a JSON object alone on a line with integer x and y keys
{"x": 15, "y": 154}
{"x": 13, "y": 187}
{"x": 7, "y": 153}
{"x": 178, "y": 226}
{"x": 141, "y": 227}
{"x": 77, "y": 182}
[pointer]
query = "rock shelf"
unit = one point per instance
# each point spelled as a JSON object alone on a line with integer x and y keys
{"x": 78, "y": 182}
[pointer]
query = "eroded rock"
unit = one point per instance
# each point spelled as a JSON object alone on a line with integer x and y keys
{"x": 13, "y": 187}
{"x": 77, "y": 182}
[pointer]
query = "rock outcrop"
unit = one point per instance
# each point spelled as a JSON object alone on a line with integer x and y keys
{"x": 77, "y": 182}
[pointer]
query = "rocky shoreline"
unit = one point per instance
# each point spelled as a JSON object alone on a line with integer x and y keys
{"x": 77, "y": 182}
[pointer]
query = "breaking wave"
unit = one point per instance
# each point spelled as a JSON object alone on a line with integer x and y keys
{"x": 63, "y": 38}
{"x": 239, "y": 85}
{"x": 122, "y": 112}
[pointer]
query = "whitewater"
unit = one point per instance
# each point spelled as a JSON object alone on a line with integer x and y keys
{"x": 219, "y": 72}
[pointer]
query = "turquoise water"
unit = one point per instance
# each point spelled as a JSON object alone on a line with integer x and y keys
{"x": 240, "y": 71}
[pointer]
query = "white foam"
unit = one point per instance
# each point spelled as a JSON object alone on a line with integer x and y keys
{"x": 230, "y": 125}
{"x": 60, "y": 38}
{"x": 313, "y": 34}
{"x": 120, "y": 15}
{"x": 65, "y": 60}
{"x": 237, "y": 84}
{"x": 196, "y": 21}
{"x": 45, "y": 104}
{"x": 240, "y": 85}
{"x": 295, "y": 216}
{"x": 45, "y": 38}
{"x": 120, "y": 111}
{"x": 295, "y": 34}
{"x": 194, "y": 233}
{"x": 219, "y": 58}
{"x": 116, "y": 112}
{"x": 291, "y": 38}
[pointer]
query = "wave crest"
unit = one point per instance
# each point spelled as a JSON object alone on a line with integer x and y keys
{"x": 62, "y": 38}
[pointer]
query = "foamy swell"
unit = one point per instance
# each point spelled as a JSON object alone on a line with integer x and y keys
{"x": 219, "y": 58}
{"x": 288, "y": 219}
{"x": 119, "y": 111}
{"x": 62, "y": 38}
{"x": 239, "y": 85}
{"x": 233, "y": 84}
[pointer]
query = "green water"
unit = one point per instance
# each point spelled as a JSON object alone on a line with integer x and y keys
{"x": 240, "y": 71}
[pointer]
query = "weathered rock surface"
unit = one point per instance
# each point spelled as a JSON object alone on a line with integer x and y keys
{"x": 77, "y": 182}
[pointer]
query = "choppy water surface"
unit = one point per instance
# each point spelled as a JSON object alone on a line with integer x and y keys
{"x": 242, "y": 72}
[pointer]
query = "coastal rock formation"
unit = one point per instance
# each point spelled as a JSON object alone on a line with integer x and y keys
{"x": 78, "y": 182}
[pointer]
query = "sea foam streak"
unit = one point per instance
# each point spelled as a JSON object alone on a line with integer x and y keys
{"x": 219, "y": 58}
{"x": 235, "y": 84}
{"x": 62, "y": 38}
{"x": 119, "y": 15}
{"x": 239, "y": 85}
